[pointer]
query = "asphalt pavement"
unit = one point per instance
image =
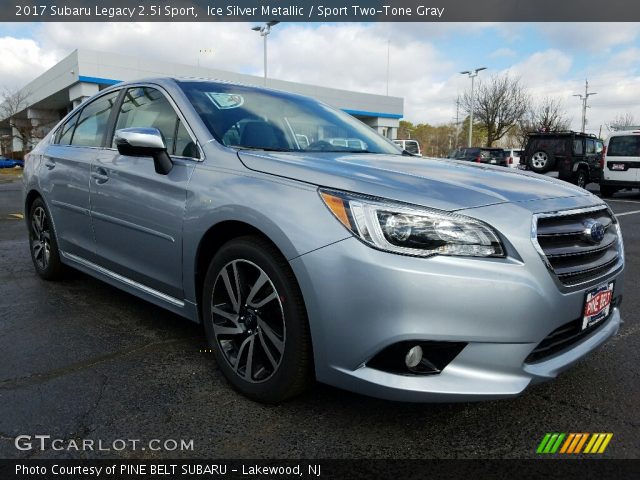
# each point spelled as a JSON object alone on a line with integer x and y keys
{"x": 83, "y": 360}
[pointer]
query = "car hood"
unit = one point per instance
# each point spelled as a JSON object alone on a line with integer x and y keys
{"x": 436, "y": 183}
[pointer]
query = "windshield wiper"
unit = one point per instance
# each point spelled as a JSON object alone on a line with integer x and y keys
{"x": 266, "y": 149}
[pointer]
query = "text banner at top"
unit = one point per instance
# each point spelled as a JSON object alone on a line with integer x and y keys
{"x": 320, "y": 11}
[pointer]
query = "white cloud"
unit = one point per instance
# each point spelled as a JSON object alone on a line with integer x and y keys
{"x": 503, "y": 52}
{"x": 21, "y": 60}
{"x": 590, "y": 37}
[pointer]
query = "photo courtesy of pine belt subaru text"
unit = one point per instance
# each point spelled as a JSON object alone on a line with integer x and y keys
{"x": 313, "y": 249}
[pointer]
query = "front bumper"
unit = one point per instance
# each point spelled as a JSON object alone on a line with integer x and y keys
{"x": 361, "y": 300}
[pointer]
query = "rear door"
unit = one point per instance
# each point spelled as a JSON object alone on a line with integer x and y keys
{"x": 622, "y": 160}
{"x": 66, "y": 171}
{"x": 138, "y": 213}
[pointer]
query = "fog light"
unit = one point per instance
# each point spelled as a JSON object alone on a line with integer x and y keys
{"x": 413, "y": 357}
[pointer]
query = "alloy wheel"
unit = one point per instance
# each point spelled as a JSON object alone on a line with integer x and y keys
{"x": 40, "y": 238}
{"x": 248, "y": 320}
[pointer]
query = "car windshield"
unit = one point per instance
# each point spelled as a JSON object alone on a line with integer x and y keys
{"x": 250, "y": 118}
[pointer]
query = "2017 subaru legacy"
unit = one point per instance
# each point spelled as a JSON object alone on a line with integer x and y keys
{"x": 406, "y": 279}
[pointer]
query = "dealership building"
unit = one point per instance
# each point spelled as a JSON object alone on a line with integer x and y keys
{"x": 85, "y": 72}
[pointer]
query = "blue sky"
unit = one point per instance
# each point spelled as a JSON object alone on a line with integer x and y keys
{"x": 552, "y": 60}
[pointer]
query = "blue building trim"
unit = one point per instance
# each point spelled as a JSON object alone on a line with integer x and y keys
{"x": 372, "y": 114}
{"x": 98, "y": 80}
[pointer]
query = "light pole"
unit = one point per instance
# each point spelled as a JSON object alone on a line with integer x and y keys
{"x": 584, "y": 100}
{"x": 265, "y": 30}
{"x": 472, "y": 75}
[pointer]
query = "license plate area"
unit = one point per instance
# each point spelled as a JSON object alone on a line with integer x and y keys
{"x": 618, "y": 166}
{"x": 597, "y": 305}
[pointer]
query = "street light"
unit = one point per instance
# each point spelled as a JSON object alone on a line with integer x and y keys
{"x": 264, "y": 31}
{"x": 472, "y": 75}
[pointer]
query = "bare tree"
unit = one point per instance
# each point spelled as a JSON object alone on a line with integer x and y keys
{"x": 621, "y": 121}
{"x": 498, "y": 106}
{"x": 13, "y": 102}
{"x": 546, "y": 115}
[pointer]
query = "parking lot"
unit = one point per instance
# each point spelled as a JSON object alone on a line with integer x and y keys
{"x": 83, "y": 360}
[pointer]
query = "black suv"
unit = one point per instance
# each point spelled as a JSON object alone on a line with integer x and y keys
{"x": 492, "y": 156}
{"x": 576, "y": 156}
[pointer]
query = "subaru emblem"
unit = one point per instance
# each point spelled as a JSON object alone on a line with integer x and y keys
{"x": 594, "y": 231}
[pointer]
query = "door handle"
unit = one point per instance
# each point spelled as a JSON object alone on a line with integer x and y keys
{"x": 100, "y": 175}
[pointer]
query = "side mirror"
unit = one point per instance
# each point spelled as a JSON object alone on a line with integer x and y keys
{"x": 144, "y": 142}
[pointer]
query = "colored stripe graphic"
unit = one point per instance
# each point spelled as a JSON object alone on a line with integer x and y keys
{"x": 550, "y": 443}
{"x": 573, "y": 443}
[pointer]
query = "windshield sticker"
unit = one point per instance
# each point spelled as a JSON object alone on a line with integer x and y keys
{"x": 224, "y": 101}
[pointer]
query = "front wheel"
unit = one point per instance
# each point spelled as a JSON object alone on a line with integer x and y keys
{"x": 255, "y": 321}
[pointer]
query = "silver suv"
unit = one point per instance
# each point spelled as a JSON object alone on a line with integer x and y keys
{"x": 376, "y": 272}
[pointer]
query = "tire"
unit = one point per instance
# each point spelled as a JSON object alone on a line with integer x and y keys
{"x": 43, "y": 244}
{"x": 258, "y": 312}
{"x": 582, "y": 178}
{"x": 607, "y": 191}
{"x": 541, "y": 162}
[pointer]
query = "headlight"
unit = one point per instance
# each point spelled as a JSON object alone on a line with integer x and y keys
{"x": 408, "y": 230}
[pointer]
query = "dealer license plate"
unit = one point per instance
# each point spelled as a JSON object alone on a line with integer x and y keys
{"x": 617, "y": 166}
{"x": 597, "y": 305}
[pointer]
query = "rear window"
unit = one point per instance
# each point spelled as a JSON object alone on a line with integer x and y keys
{"x": 624, "y": 146}
{"x": 411, "y": 147}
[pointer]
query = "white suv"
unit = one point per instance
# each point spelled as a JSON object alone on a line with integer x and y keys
{"x": 621, "y": 162}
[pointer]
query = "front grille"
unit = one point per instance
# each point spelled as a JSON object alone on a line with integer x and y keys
{"x": 570, "y": 253}
{"x": 565, "y": 336}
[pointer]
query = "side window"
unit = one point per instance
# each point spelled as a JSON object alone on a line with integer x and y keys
{"x": 92, "y": 121}
{"x": 591, "y": 146}
{"x": 147, "y": 107}
{"x": 63, "y": 136}
{"x": 577, "y": 146}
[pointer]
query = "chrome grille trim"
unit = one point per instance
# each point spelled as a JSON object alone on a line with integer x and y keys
{"x": 571, "y": 259}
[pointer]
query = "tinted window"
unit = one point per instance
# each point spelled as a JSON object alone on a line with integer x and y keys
{"x": 147, "y": 107}
{"x": 92, "y": 122}
{"x": 591, "y": 146}
{"x": 63, "y": 136}
{"x": 624, "y": 146}
{"x": 411, "y": 147}
{"x": 577, "y": 146}
{"x": 247, "y": 117}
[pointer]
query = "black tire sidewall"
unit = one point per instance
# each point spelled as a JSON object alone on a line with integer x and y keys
{"x": 283, "y": 383}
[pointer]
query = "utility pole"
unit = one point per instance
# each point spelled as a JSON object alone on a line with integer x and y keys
{"x": 457, "y": 119}
{"x": 388, "y": 50}
{"x": 265, "y": 30}
{"x": 472, "y": 75}
{"x": 585, "y": 98}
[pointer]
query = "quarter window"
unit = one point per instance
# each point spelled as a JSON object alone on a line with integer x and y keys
{"x": 92, "y": 123}
{"x": 148, "y": 108}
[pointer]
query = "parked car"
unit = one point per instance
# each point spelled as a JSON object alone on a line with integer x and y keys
{"x": 621, "y": 162}
{"x": 10, "y": 163}
{"x": 411, "y": 146}
{"x": 576, "y": 156}
{"x": 371, "y": 272}
{"x": 512, "y": 157}
{"x": 487, "y": 155}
